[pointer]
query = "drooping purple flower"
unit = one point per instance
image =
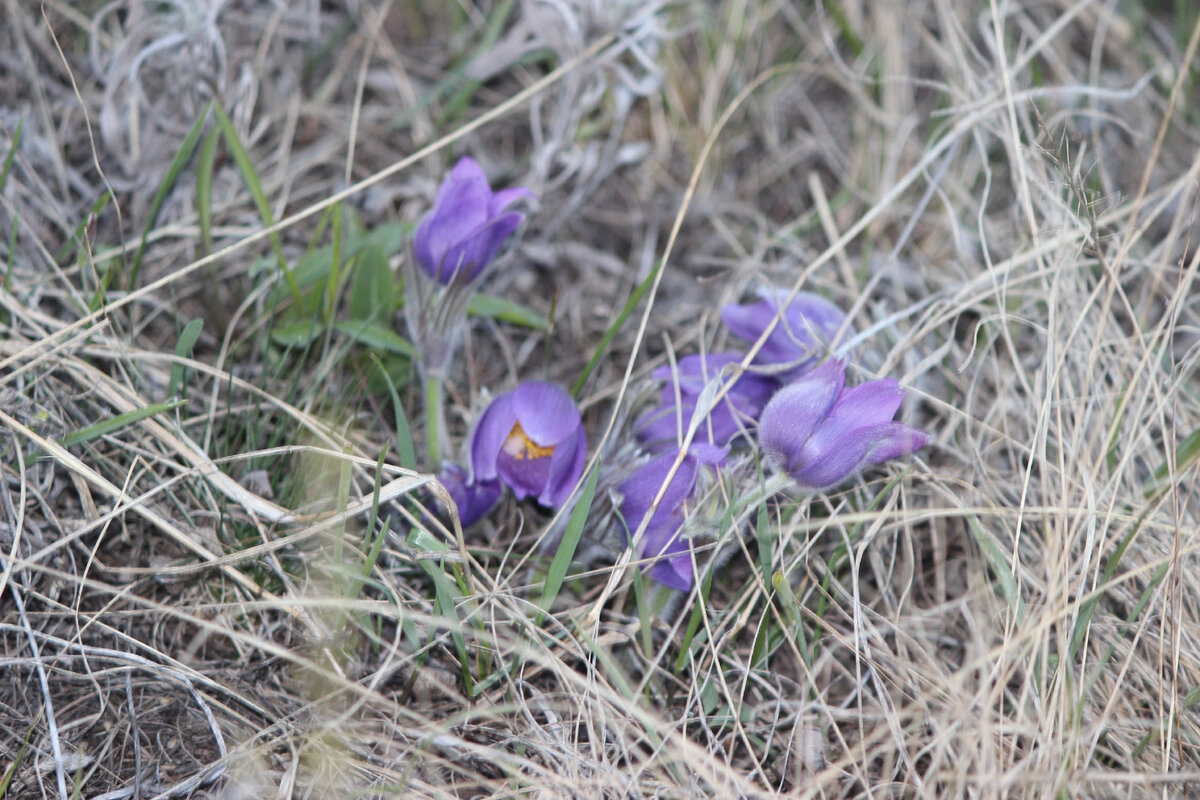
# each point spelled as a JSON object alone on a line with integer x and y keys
{"x": 798, "y": 340}
{"x": 459, "y": 237}
{"x": 473, "y": 499}
{"x": 822, "y": 433}
{"x": 736, "y": 412}
{"x": 531, "y": 439}
{"x": 663, "y": 539}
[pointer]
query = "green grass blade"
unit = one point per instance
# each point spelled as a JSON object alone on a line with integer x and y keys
{"x": 12, "y": 153}
{"x": 118, "y": 422}
{"x": 183, "y": 349}
{"x": 335, "y": 266}
{"x": 168, "y": 182}
{"x": 1186, "y": 454}
{"x": 1001, "y": 568}
{"x": 12, "y": 768}
{"x": 250, "y": 177}
{"x": 570, "y": 541}
{"x": 205, "y": 166}
{"x": 407, "y": 453}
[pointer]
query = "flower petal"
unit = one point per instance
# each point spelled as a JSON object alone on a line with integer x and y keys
{"x": 805, "y": 327}
{"x": 869, "y": 404}
{"x": 796, "y": 411}
{"x": 503, "y": 198}
{"x": 489, "y": 435}
{"x": 473, "y": 251}
{"x": 898, "y": 440}
{"x": 526, "y": 475}
{"x": 640, "y": 489}
{"x": 472, "y": 500}
{"x": 674, "y": 567}
{"x": 545, "y": 411}
{"x": 851, "y": 452}
{"x": 566, "y": 467}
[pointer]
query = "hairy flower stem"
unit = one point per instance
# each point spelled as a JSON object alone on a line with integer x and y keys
{"x": 435, "y": 418}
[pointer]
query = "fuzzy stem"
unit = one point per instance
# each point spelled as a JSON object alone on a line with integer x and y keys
{"x": 435, "y": 422}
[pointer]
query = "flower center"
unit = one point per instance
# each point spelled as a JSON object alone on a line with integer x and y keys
{"x": 519, "y": 446}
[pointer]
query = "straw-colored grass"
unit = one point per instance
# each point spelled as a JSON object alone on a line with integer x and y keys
{"x": 212, "y": 586}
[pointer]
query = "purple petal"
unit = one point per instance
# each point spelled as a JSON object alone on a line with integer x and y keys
{"x": 709, "y": 454}
{"x": 808, "y": 312}
{"x": 797, "y": 410}
{"x": 661, "y": 425}
{"x": 808, "y": 323}
{"x": 899, "y": 440}
{"x": 823, "y": 468}
{"x": 546, "y": 412}
{"x": 693, "y": 371}
{"x": 566, "y": 467}
{"x": 489, "y": 435}
{"x": 526, "y": 473}
{"x": 472, "y": 500}
{"x": 866, "y": 406}
{"x": 459, "y": 210}
{"x": 642, "y": 487}
{"x": 474, "y": 250}
{"x": 674, "y": 567}
{"x": 870, "y": 402}
{"x": 467, "y": 170}
{"x": 503, "y": 198}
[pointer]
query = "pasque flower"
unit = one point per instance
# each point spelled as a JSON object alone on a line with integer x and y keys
{"x": 531, "y": 439}
{"x": 473, "y": 499}
{"x": 459, "y": 237}
{"x": 663, "y": 539}
{"x": 737, "y": 411}
{"x": 822, "y": 433}
{"x": 799, "y": 338}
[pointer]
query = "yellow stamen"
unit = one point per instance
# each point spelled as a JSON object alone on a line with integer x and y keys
{"x": 519, "y": 446}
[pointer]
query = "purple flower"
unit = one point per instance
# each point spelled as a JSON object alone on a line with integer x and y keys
{"x": 465, "y": 228}
{"x": 800, "y": 337}
{"x": 822, "y": 433}
{"x": 473, "y": 500}
{"x": 737, "y": 411}
{"x": 531, "y": 439}
{"x": 663, "y": 538}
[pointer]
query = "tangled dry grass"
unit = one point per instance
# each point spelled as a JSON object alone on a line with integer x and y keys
{"x": 221, "y": 596}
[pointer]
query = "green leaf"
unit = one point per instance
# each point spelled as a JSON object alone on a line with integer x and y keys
{"x": 483, "y": 305}
{"x": 168, "y": 182}
{"x": 570, "y": 541}
{"x": 375, "y": 336}
{"x": 300, "y": 333}
{"x": 118, "y": 422}
{"x": 373, "y": 286}
{"x": 183, "y": 349}
{"x": 315, "y": 266}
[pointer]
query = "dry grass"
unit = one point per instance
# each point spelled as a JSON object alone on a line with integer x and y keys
{"x": 1004, "y": 194}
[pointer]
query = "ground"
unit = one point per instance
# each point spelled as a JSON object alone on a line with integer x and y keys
{"x": 225, "y": 570}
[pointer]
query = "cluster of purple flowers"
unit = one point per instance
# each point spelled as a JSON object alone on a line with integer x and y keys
{"x": 808, "y": 423}
{"x": 790, "y": 399}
